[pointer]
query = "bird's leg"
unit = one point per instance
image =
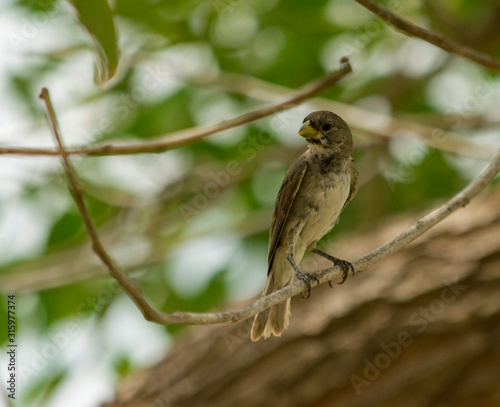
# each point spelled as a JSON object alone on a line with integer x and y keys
{"x": 343, "y": 264}
{"x": 305, "y": 277}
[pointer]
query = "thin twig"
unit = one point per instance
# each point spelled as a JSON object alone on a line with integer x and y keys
{"x": 184, "y": 137}
{"x": 188, "y": 318}
{"x": 434, "y": 38}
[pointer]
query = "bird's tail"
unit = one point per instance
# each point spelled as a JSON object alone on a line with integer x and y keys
{"x": 273, "y": 320}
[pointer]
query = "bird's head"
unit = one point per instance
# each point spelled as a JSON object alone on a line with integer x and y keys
{"x": 326, "y": 131}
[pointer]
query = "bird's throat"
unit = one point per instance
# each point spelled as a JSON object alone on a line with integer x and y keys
{"x": 327, "y": 159}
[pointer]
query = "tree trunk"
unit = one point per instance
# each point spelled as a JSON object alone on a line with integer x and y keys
{"x": 421, "y": 328}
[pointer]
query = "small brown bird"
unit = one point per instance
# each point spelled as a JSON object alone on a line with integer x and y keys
{"x": 316, "y": 188}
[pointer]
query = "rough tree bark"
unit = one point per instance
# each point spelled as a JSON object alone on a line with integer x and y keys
{"x": 421, "y": 328}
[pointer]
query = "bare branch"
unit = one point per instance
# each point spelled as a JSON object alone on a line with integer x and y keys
{"x": 130, "y": 286}
{"x": 185, "y": 318}
{"x": 418, "y": 228}
{"x": 358, "y": 118}
{"x": 432, "y": 37}
{"x": 394, "y": 245}
{"x": 183, "y": 137}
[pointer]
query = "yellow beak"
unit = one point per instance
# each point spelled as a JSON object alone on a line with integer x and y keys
{"x": 307, "y": 131}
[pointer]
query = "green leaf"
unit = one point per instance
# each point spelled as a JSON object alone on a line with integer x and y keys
{"x": 97, "y": 17}
{"x": 68, "y": 226}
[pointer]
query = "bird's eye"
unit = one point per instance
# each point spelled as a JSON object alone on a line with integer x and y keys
{"x": 326, "y": 127}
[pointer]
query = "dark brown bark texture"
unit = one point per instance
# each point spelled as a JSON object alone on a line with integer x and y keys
{"x": 421, "y": 328}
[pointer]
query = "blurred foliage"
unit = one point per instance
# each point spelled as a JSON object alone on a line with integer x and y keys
{"x": 97, "y": 17}
{"x": 151, "y": 209}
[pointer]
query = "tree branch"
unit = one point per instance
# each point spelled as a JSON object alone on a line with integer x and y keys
{"x": 188, "y": 318}
{"x": 130, "y": 286}
{"x": 438, "y": 40}
{"x": 358, "y": 118}
{"x": 183, "y": 137}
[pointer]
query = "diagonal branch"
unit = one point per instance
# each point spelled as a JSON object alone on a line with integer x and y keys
{"x": 183, "y": 137}
{"x": 358, "y": 118}
{"x": 130, "y": 286}
{"x": 434, "y": 38}
{"x": 151, "y": 314}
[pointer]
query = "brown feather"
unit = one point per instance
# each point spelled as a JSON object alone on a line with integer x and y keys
{"x": 284, "y": 202}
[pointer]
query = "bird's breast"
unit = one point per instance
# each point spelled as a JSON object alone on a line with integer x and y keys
{"x": 323, "y": 200}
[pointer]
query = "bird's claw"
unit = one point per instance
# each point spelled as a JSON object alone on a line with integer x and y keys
{"x": 307, "y": 278}
{"x": 345, "y": 267}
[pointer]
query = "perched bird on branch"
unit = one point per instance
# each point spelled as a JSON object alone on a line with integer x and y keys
{"x": 316, "y": 188}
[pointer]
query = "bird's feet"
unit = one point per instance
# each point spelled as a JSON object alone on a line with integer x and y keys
{"x": 344, "y": 265}
{"x": 307, "y": 278}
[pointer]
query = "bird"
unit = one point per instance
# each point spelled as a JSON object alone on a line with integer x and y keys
{"x": 316, "y": 189}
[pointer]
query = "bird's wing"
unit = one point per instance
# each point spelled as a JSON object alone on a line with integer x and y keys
{"x": 284, "y": 202}
{"x": 354, "y": 182}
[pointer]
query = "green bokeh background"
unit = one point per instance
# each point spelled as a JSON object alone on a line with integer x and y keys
{"x": 287, "y": 43}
